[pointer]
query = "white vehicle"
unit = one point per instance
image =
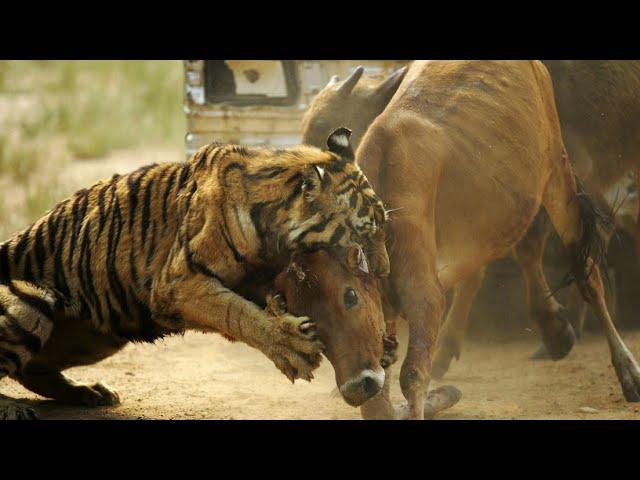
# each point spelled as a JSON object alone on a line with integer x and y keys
{"x": 259, "y": 102}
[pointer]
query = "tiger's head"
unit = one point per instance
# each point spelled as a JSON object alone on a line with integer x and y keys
{"x": 339, "y": 207}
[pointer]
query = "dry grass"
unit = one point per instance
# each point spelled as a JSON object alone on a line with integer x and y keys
{"x": 54, "y": 113}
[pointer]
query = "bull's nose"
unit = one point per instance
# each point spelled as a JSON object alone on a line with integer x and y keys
{"x": 370, "y": 386}
{"x": 362, "y": 387}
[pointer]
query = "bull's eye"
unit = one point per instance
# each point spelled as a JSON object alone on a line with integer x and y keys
{"x": 350, "y": 298}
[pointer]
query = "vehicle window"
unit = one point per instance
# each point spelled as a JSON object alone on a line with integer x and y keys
{"x": 250, "y": 82}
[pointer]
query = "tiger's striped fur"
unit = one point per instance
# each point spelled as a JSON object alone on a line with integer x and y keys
{"x": 159, "y": 250}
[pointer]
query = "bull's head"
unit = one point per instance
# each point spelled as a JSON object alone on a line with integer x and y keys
{"x": 337, "y": 290}
{"x": 354, "y": 103}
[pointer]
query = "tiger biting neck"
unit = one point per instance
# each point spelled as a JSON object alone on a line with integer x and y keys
{"x": 160, "y": 250}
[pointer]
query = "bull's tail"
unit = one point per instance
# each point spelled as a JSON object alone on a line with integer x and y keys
{"x": 597, "y": 225}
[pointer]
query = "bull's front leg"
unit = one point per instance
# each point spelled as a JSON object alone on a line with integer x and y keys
{"x": 422, "y": 301}
{"x": 194, "y": 300}
{"x": 380, "y": 407}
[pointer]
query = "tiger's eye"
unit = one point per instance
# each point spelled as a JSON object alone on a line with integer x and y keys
{"x": 350, "y": 298}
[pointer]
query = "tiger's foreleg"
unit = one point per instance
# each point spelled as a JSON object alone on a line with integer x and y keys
{"x": 200, "y": 302}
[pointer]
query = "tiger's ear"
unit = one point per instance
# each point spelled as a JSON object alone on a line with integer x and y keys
{"x": 320, "y": 171}
{"x": 338, "y": 143}
{"x": 315, "y": 177}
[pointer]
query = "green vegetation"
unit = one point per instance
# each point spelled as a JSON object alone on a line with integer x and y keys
{"x": 100, "y": 105}
{"x": 53, "y": 113}
{"x": 19, "y": 163}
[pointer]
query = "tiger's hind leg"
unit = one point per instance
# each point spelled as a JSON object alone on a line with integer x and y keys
{"x": 59, "y": 387}
{"x": 26, "y": 313}
{"x": 11, "y": 409}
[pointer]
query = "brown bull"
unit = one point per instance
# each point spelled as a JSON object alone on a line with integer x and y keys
{"x": 468, "y": 152}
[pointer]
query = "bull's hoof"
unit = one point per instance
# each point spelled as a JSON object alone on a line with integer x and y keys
{"x": 441, "y": 399}
{"x": 540, "y": 354}
{"x": 559, "y": 345}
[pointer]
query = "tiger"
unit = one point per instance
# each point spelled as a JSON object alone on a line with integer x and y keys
{"x": 160, "y": 250}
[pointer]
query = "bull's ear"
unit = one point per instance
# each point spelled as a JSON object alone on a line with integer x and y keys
{"x": 357, "y": 260}
{"x": 387, "y": 89}
{"x": 298, "y": 271}
{"x": 348, "y": 85}
{"x": 378, "y": 256}
{"x": 338, "y": 143}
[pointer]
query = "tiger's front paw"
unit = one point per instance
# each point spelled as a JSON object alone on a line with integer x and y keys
{"x": 297, "y": 350}
{"x": 297, "y": 327}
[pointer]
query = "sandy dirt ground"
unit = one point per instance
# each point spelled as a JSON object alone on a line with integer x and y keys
{"x": 202, "y": 376}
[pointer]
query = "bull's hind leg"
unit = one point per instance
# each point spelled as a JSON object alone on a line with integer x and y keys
{"x": 26, "y": 314}
{"x": 581, "y": 308}
{"x": 455, "y": 325}
{"x": 577, "y": 221}
{"x": 576, "y": 306}
{"x": 577, "y": 309}
{"x": 557, "y": 333}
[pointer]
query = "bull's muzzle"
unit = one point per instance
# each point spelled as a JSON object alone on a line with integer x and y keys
{"x": 361, "y": 388}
